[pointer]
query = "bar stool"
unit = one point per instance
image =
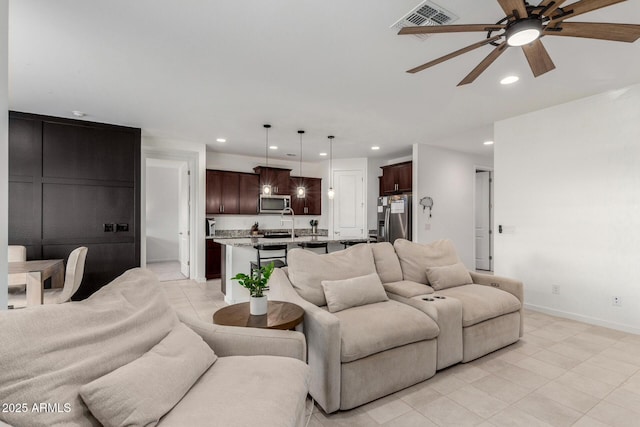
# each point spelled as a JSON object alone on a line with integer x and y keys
{"x": 315, "y": 245}
{"x": 348, "y": 243}
{"x": 279, "y": 260}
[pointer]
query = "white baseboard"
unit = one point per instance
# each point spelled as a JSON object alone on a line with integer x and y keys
{"x": 201, "y": 279}
{"x": 586, "y": 319}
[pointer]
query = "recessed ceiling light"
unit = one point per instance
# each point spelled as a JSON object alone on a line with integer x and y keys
{"x": 221, "y": 140}
{"x": 488, "y": 143}
{"x": 273, "y": 147}
{"x": 78, "y": 113}
{"x": 509, "y": 80}
{"x": 323, "y": 154}
{"x": 375, "y": 147}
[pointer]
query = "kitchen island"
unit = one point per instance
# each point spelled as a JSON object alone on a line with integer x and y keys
{"x": 239, "y": 252}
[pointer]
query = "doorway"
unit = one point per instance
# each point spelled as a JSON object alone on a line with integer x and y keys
{"x": 348, "y": 207}
{"x": 483, "y": 220}
{"x": 168, "y": 218}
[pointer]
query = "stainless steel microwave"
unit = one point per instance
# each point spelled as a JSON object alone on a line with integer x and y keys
{"x": 274, "y": 203}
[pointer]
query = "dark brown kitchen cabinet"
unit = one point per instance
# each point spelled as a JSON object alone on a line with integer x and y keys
{"x": 75, "y": 183}
{"x": 214, "y": 260}
{"x": 311, "y": 204}
{"x": 249, "y": 193}
{"x": 278, "y": 178}
{"x": 396, "y": 178}
{"x": 232, "y": 193}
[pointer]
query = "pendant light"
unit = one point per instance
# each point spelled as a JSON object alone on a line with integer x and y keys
{"x": 266, "y": 187}
{"x": 332, "y": 192}
{"x": 301, "y": 192}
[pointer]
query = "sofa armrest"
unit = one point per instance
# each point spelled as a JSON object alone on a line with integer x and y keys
{"x": 514, "y": 287}
{"x": 322, "y": 330}
{"x": 238, "y": 341}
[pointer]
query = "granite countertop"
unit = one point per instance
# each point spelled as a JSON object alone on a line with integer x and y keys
{"x": 248, "y": 242}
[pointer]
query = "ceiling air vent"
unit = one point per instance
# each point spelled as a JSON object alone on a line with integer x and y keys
{"x": 426, "y": 13}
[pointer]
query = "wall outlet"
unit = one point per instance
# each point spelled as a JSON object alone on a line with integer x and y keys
{"x": 616, "y": 301}
{"x": 555, "y": 289}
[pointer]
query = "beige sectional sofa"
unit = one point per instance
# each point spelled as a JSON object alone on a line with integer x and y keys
{"x": 125, "y": 357}
{"x": 382, "y": 317}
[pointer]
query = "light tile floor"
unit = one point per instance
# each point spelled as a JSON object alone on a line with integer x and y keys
{"x": 561, "y": 373}
{"x": 166, "y": 270}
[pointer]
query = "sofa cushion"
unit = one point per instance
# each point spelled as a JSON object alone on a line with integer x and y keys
{"x": 448, "y": 276}
{"x": 308, "y": 269}
{"x": 387, "y": 262}
{"x": 76, "y": 343}
{"x": 480, "y": 303}
{"x": 373, "y": 328}
{"x": 407, "y": 288}
{"x": 415, "y": 258}
{"x": 154, "y": 383}
{"x": 347, "y": 293}
{"x": 263, "y": 391}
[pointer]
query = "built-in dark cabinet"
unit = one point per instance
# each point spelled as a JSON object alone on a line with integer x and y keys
{"x": 397, "y": 178}
{"x": 232, "y": 193}
{"x": 214, "y": 260}
{"x": 278, "y": 178}
{"x": 311, "y": 204}
{"x": 67, "y": 179}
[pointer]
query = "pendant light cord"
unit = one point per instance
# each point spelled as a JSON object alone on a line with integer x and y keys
{"x": 300, "y": 132}
{"x": 266, "y": 146}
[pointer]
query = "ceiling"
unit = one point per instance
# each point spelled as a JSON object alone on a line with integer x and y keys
{"x": 197, "y": 70}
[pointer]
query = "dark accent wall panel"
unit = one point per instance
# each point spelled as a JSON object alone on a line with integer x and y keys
{"x": 67, "y": 178}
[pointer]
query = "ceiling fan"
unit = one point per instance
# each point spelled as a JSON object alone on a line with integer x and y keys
{"x": 524, "y": 25}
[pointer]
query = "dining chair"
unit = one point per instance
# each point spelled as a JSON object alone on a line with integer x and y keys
{"x": 17, "y": 253}
{"x": 72, "y": 279}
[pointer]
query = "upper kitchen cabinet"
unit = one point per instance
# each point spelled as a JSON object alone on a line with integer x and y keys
{"x": 311, "y": 204}
{"x": 232, "y": 193}
{"x": 396, "y": 178}
{"x": 276, "y": 177}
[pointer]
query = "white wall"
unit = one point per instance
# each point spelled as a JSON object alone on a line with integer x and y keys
{"x": 569, "y": 198}
{"x": 195, "y": 154}
{"x": 448, "y": 177}
{"x": 4, "y": 150}
{"x": 162, "y": 213}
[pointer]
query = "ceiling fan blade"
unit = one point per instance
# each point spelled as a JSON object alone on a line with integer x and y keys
{"x": 583, "y": 6}
{"x": 484, "y": 64}
{"x": 509, "y": 6}
{"x": 453, "y": 54}
{"x": 538, "y": 57}
{"x": 451, "y": 29}
{"x": 550, "y": 6}
{"x": 597, "y": 30}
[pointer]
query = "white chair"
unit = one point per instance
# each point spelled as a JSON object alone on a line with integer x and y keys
{"x": 17, "y": 253}
{"x": 72, "y": 280}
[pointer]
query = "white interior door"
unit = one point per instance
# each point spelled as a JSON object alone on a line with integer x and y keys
{"x": 183, "y": 216}
{"x": 348, "y": 203}
{"x": 483, "y": 220}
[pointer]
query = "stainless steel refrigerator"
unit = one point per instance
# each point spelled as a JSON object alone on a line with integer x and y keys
{"x": 394, "y": 217}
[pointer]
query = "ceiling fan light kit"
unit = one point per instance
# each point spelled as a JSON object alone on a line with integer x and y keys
{"x": 523, "y": 32}
{"x": 524, "y": 25}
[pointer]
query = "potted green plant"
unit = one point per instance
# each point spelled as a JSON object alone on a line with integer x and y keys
{"x": 256, "y": 283}
{"x": 314, "y": 226}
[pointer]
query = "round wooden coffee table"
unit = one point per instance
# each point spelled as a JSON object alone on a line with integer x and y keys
{"x": 280, "y": 315}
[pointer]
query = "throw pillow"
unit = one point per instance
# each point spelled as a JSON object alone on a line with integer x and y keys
{"x": 347, "y": 293}
{"x": 448, "y": 276}
{"x": 308, "y": 269}
{"x": 141, "y": 392}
